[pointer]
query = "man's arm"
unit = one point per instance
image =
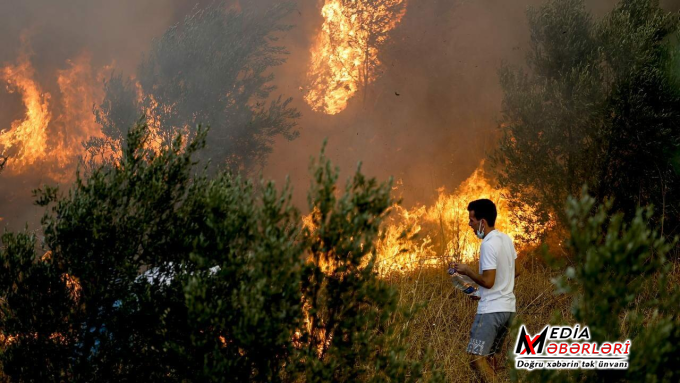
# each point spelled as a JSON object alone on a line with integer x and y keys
{"x": 486, "y": 279}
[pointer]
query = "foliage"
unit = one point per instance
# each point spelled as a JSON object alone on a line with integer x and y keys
{"x": 213, "y": 69}
{"x": 346, "y": 333}
{"x": 599, "y": 106}
{"x": 619, "y": 286}
{"x": 158, "y": 274}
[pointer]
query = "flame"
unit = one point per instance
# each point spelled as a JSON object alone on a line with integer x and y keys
{"x": 26, "y": 140}
{"x": 157, "y": 136}
{"x": 439, "y": 234}
{"x": 435, "y": 235}
{"x": 55, "y": 144}
{"x": 77, "y": 122}
{"x": 345, "y": 53}
{"x": 38, "y": 139}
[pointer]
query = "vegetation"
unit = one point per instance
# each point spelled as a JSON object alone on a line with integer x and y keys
{"x": 152, "y": 273}
{"x": 619, "y": 284}
{"x": 213, "y": 69}
{"x": 598, "y": 106}
{"x": 152, "y": 270}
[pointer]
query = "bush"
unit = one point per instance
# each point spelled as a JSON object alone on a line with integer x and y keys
{"x": 158, "y": 273}
{"x": 619, "y": 285}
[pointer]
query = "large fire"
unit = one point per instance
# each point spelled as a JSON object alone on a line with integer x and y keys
{"x": 345, "y": 54}
{"x": 438, "y": 234}
{"x": 435, "y": 235}
{"x": 40, "y": 139}
{"x": 26, "y": 141}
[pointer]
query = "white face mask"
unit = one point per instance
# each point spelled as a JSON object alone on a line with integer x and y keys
{"x": 480, "y": 232}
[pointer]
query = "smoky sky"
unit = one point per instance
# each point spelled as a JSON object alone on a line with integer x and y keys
{"x": 429, "y": 119}
{"x": 433, "y": 112}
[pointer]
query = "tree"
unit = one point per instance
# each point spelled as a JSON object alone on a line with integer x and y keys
{"x": 348, "y": 306}
{"x": 212, "y": 69}
{"x": 598, "y": 106}
{"x": 373, "y": 21}
{"x": 345, "y": 59}
{"x": 620, "y": 289}
{"x": 155, "y": 273}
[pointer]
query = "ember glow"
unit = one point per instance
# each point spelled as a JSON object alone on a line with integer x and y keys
{"x": 345, "y": 54}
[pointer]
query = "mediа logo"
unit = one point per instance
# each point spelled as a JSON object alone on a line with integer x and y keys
{"x": 550, "y": 349}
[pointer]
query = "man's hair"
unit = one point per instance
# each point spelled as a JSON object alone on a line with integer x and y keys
{"x": 484, "y": 209}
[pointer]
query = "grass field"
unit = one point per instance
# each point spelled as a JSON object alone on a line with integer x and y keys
{"x": 443, "y": 322}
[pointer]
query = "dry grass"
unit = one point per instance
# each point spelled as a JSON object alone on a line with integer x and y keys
{"x": 443, "y": 321}
{"x": 444, "y": 317}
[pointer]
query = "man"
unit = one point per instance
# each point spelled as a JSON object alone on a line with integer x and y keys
{"x": 496, "y": 280}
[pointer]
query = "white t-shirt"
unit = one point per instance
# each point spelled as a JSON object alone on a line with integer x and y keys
{"x": 497, "y": 252}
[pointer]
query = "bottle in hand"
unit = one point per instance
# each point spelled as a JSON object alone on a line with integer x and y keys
{"x": 462, "y": 282}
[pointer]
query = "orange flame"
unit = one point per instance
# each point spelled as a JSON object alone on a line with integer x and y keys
{"x": 26, "y": 140}
{"x": 438, "y": 234}
{"x": 77, "y": 123}
{"x": 346, "y": 51}
{"x": 39, "y": 140}
{"x": 435, "y": 235}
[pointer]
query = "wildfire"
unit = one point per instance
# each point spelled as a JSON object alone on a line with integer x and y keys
{"x": 26, "y": 140}
{"x": 345, "y": 55}
{"x": 38, "y": 139}
{"x": 438, "y": 234}
{"x": 435, "y": 235}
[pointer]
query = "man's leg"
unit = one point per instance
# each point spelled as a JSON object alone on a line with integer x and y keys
{"x": 481, "y": 364}
{"x": 497, "y": 359}
{"x": 482, "y": 335}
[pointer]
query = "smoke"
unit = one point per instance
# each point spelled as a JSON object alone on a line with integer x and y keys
{"x": 429, "y": 119}
{"x": 433, "y": 112}
{"x": 431, "y": 115}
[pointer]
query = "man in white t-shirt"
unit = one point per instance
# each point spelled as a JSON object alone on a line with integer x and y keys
{"x": 496, "y": 280}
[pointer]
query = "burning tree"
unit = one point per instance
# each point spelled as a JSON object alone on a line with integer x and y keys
{"x": 345, "y": 57}
{"x": 212, "y": 69}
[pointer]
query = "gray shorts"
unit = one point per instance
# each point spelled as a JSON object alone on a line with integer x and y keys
{"x": 488, "y": 333}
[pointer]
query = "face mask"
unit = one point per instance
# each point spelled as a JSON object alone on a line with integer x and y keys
{"x": 480, "y": 232}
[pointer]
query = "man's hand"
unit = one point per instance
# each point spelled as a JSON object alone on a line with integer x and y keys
{"x": 486, "y": 279}
{"x": 463, "y": 269}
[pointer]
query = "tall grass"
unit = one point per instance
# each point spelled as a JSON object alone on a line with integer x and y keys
{"x": 444, "y": 315}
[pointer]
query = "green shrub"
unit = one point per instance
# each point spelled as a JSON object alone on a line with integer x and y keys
{"x": 619, "y": 284}
{"x": 188, "y": 277}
